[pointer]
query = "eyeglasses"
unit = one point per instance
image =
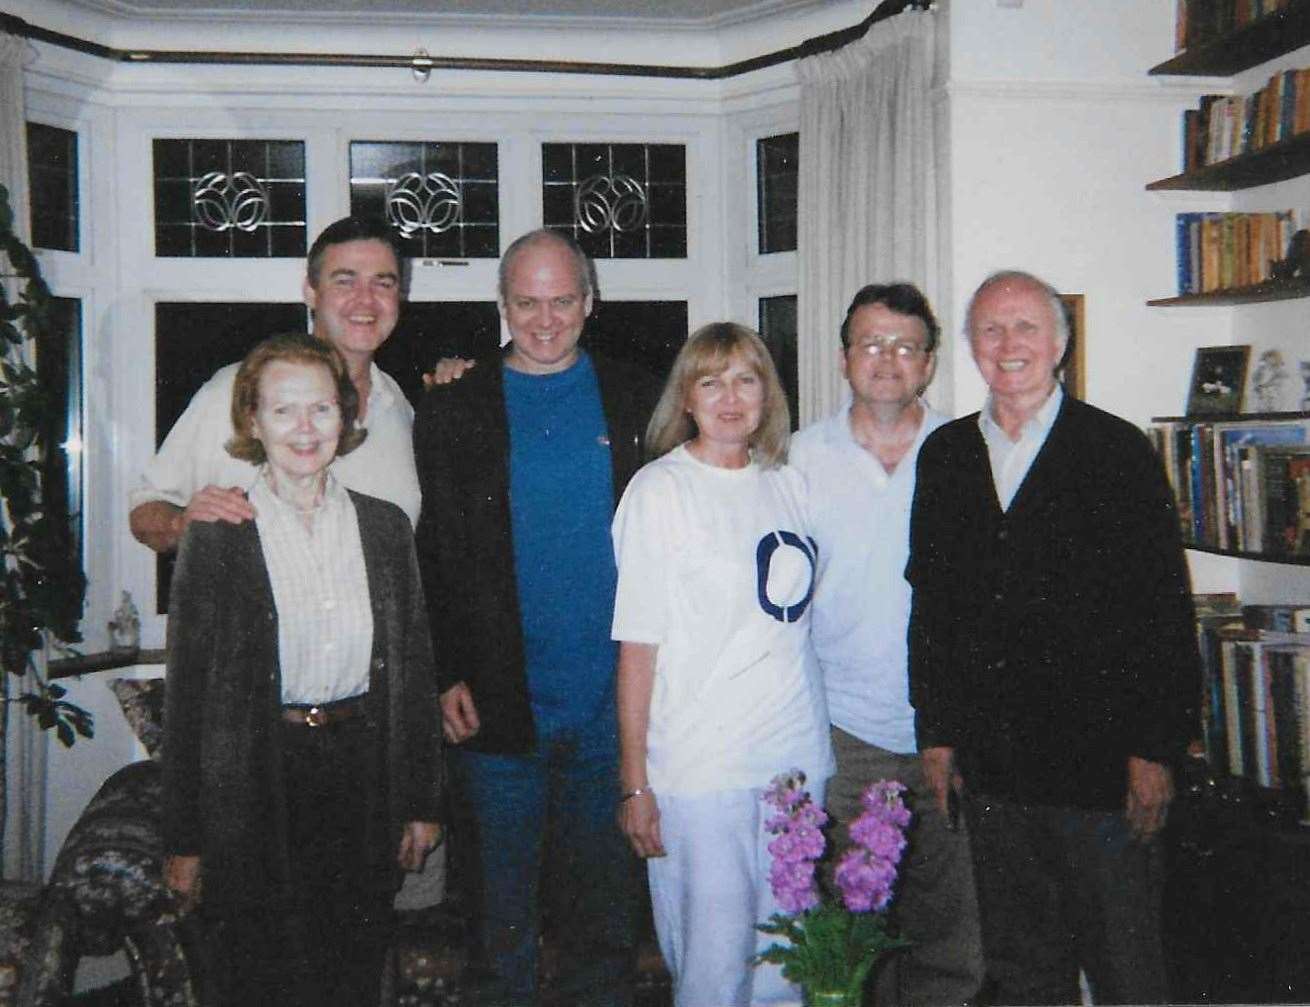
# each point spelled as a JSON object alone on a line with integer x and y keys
{"x": 895, "y": 347}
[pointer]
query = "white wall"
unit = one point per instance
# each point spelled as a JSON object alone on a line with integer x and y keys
{"x": 1055, "y": 130}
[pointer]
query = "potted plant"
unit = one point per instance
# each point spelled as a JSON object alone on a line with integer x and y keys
{"x": 43, "y": 585}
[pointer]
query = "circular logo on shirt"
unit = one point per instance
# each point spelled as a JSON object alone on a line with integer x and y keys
{"x": 784, "y": 574}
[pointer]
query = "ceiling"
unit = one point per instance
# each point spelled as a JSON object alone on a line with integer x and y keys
{"x": 707, "y": 12}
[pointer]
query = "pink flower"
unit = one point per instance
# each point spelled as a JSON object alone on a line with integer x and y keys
{"x": 865, "y": 874}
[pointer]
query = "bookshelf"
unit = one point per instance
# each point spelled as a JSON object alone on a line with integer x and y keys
{"x": 1254, "y": 294}
{"x": 1237, "y": 915}
{"x": 1274, "y": 163}
{"x": 1262, "y": 40}
{"x": 1242, "y": 483}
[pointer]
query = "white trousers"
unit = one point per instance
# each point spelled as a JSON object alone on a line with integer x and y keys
{"x": 709, "y": 892}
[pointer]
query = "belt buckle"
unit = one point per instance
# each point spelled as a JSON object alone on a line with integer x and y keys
{"x": 315, "y": 716}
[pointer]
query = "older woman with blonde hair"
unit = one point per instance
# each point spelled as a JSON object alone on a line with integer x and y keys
{"x": 718, "y": 689}
{"x": 300, "y": 721}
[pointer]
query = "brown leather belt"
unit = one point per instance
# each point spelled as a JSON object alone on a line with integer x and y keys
{"x": 305, "y": 715}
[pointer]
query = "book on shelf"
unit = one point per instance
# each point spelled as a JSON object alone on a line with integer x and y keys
{"x": 1222, "y": 127}
{"x": 1256, "y": 701}
{"x": 1277, "y": 618}
{"x": 1197, "y": 22}
{"x": 1241, "y": 485}
{"x": 1226, "y": 251}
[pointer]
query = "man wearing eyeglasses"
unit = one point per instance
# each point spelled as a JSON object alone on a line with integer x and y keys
{"x": 860, "y": 467}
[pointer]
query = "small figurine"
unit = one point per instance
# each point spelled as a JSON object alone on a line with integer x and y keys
{"x": 1305, "y": 382}
{"x": 125, "y": 626}
{"x": 1268, "y": 380}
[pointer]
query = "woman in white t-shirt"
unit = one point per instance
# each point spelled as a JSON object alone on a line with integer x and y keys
{"x": 718, "y": 689}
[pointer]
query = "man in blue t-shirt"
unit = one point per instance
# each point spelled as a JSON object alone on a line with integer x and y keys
{"x": 521, "y": 462}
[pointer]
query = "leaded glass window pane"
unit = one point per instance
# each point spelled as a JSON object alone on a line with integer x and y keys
{"x": 776, "y": 158}
{"x": 229, "y": 198}
{"x": 618, "y": 200}
{"x": 52, "y": 182}
{"x": 59, "y": 370}
{"x": 778, "y": 327}
{"x": 443, "y": 198}
{"x": 430, "y": 330}
{"x": 648, "y": 334}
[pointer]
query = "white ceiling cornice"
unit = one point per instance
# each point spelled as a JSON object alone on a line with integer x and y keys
{"x": 684, "y": 15}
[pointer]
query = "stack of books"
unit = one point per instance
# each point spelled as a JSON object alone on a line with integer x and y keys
{"x": 1228, "y": 251}
{"x": 1256, "y": 709}
{"x": 1224, "y": 127}
{"x": 1201, "y": 21}
{"x": 1241, "y": 485}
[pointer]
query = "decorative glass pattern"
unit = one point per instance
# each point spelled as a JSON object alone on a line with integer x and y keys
{"x": 229, "y": 198}
{"x": 618, "y": 200}
{"x": 193, "y": 339}
{"x": 645, "y": 333}
{"x": 442, "y": 197}
{"x": 778, "y": 327}
{"x": 52, "y": 181}
{"x": 776, "y": 158}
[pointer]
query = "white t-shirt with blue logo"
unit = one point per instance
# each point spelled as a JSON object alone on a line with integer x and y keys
{"x": 716, "y": 568}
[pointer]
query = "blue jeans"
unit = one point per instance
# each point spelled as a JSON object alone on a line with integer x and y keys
{"x": 552, "y": 812}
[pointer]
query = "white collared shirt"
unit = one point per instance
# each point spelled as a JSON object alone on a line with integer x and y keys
{"x": 320, "y": 588}
{"x": 193, "y": 455}
{"x": 1011, "y": 460}
{"x": 860, "y": 517}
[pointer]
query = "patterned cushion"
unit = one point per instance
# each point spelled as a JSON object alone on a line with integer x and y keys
{"x": 142, "y": 702}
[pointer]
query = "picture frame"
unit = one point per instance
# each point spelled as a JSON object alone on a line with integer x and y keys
{"x": 1073, "y": 375}
{"x": 1218, "y": 380}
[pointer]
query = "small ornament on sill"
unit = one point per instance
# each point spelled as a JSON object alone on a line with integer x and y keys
{"x": 125, "y": 626}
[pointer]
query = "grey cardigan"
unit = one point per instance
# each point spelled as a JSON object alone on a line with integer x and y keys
{"x": 222, "y": 768}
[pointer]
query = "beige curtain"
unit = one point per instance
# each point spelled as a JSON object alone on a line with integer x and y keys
{"x": 870, "y": 192}
{"x": 22, "y": 746}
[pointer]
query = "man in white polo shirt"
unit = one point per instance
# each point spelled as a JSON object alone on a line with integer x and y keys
{"x": 353, "y": 289}
{"x": 860, "y": 468}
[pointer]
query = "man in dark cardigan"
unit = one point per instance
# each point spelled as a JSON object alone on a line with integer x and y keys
{"x": 521, "y": 462}
{"x": 1053, "y": 662}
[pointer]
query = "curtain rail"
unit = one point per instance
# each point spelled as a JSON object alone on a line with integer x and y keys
{"x": 819, "y": 44}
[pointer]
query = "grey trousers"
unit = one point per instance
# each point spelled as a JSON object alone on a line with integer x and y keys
{"x": 1062, "y": 889}
{"x": 935, "y": 904}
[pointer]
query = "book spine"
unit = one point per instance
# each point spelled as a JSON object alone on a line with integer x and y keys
{"x": 1287, "y": 96}
{"x": 1232, "y": 717}
{"x": 1248, "y": 759}
{"x": 1182, "y": 237}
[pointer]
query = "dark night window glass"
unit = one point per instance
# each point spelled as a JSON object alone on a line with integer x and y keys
{"x": 442, "y": 198}
{"x": 193, "y": 339}
{"x": 775, "y": 167}
{"x": 778, "y": 327}
{"x": 229, "y": 198}
{"x": 59, "y": 369}
{"x": 430, "y": 330}
{"x": 648, "y": 334}
{"x": 52, "y": 183}
{"x": 618, "y": 200}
